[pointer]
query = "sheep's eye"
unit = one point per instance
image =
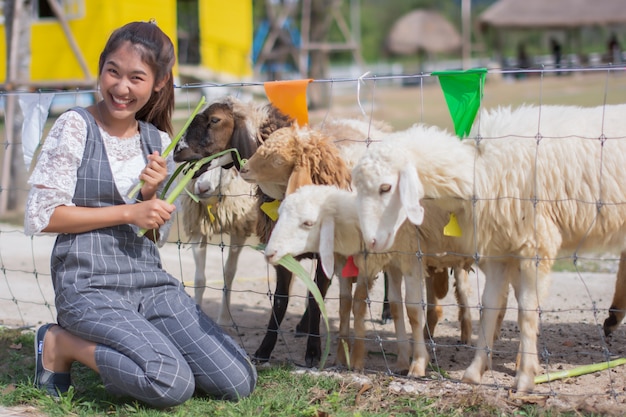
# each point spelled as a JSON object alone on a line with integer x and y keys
{"x": 385, "y": 188}
{"x": 307, "y": 223}
{"x": 214, "y": 120}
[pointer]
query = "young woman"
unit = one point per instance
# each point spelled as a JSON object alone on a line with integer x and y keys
{"x": 118, "y": 311}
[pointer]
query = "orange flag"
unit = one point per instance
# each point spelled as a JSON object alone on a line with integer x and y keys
{"x": 290, "y": 97}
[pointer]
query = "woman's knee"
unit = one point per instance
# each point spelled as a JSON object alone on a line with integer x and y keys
{"x": 234, "y": 384}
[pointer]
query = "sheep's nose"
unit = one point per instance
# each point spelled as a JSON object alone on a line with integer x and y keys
{"x": 372, "y": 244}
{"x": 269, "y": 256}
{"x": 243, "y": 170}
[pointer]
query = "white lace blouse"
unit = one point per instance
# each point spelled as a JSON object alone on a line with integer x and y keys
{"x": 54, "y": 177}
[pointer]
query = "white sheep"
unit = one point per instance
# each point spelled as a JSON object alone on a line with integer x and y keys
{"x": 534, "y": 181}
{"x": 295, "y": 156}
{"x": 226, "y": 206}
{"x": 324, "y": 219}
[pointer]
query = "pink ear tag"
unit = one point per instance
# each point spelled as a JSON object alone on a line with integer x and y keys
{"x": 350, "y": 269}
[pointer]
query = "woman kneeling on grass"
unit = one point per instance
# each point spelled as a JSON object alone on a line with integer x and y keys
{"x": 119, "y": 312}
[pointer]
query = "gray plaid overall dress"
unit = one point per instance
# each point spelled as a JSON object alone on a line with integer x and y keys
{"x": 154, "y": 342}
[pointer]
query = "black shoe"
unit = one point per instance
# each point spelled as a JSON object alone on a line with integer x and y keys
{"x": 55, "y": 383}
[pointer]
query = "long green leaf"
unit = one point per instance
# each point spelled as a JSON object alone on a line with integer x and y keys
{"x": 296, "y": 268}
{"x": 172, "y": 144}
{"x": 191, "y": 169}
{"x": 581, "y": 370}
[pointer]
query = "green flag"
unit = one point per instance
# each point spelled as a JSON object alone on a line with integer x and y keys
{"x": 463, "y": 91}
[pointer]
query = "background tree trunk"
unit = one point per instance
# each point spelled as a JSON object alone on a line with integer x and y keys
{"x": 17, "y": 15}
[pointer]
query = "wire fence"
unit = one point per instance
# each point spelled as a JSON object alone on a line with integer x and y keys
{"x": 571, "y": 317}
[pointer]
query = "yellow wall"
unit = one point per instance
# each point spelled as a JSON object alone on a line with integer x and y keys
{"x": 52, "y": 57}
{"x": 226, "y": 36}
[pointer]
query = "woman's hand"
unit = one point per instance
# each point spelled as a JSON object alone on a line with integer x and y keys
{"x": 153, "y": 175}
{"x": 150, "y": 214}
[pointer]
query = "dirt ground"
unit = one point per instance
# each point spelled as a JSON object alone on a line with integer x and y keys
{"x": 571, "y": 325}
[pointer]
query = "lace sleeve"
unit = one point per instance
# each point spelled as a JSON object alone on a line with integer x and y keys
{"x": 54, "y": 177}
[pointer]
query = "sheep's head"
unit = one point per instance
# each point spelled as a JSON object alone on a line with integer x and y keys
{"x": 306, "y": 223}
{"x": 272, "y": 164}
{"x": 226, "y": 124}
{"x": 208, "y": 133}
{"x": 297, "y": 229}
{"x": 292, "y": 157}
{"x": 212, "y": 182}
{"x": 388, "y": 192}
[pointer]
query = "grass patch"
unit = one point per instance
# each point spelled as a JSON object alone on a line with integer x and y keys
{"x": 281, "y": 391}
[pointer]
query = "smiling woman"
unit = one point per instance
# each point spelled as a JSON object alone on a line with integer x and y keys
{"x": 119, "y": 312}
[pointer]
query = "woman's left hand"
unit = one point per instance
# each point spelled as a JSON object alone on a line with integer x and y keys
{"x": 153, "y": 175}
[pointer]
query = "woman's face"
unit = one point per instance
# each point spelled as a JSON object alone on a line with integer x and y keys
{"x": 126, "y": 82}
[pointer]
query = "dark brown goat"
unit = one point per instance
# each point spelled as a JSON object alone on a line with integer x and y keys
{"x": 231, "y": 123}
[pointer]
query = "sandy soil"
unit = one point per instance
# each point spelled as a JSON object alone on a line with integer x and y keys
{"x": 571, "y": 325}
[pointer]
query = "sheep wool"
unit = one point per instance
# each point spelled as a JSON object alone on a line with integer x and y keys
{"x": 528, "y": 184}
{"x": 226, "y": 206}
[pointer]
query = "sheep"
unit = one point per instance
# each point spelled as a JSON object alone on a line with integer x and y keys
{"x": 294, "y": 156}
{"x": 226, "y": 205}
{"x": 325, "y": 219}
{"x": 536, "y": 180}
{"x": 231, "y": 123}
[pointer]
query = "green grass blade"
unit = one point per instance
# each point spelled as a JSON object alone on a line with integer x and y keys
{"x": 189, "y": 173}
{"x": 172, "y": 144}
{"x": 296, "y": 268}
{"x": 581, "y": 370}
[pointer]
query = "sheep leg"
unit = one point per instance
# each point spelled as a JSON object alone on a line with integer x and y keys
{"x": 236, "y": 245}
{"x": 496, "y": 284}
{"x": 529, "y": 288}
{"x": 386, "y": 315}
{"x": 501, "y": 313}
{"x": 359, "y": 309}
{"x": 415, "y": 309}
{"x": 345, "y": 307}
{"x": 395, "y": 302}
{"x": 314, "y": 345}
{"x": 436, "y": 288}
{"x": 618, "y": 306}
{"x": 461, "y": 290}
{"x": 199, "y": 280}
{"x": 279, "y": 307}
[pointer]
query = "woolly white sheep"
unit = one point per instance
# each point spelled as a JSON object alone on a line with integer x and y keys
{"x": 227, "y": 205}
{"x": 325, "y": 219}
{"x": 533, "y": 182}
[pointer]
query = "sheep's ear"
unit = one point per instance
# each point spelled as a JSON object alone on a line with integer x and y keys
{"x": 327, "y": 246}
{"x": 243, "y": 142}
{"x": 409, "y": 187}
{"x": 301, "y": 175}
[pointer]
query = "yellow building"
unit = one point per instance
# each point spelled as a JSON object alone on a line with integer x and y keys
{"x": 225, "y": 35}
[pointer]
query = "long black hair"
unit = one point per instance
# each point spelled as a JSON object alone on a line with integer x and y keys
{"x": 157, "y": 51}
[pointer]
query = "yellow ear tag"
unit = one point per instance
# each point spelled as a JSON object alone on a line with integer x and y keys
{"x": 211, "y": 216}
{"x": 452, "y": 228}
{"x": 271, "y": 209}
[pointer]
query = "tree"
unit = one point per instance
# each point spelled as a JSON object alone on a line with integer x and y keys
{"x": 17, "y": 28}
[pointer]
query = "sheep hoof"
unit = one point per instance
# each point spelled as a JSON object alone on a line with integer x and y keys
{"x": 417, "y": 369}
{"x": 472, "y": 375}
{"x": 610, "y": 324}
{"x": 524, "y": 383}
